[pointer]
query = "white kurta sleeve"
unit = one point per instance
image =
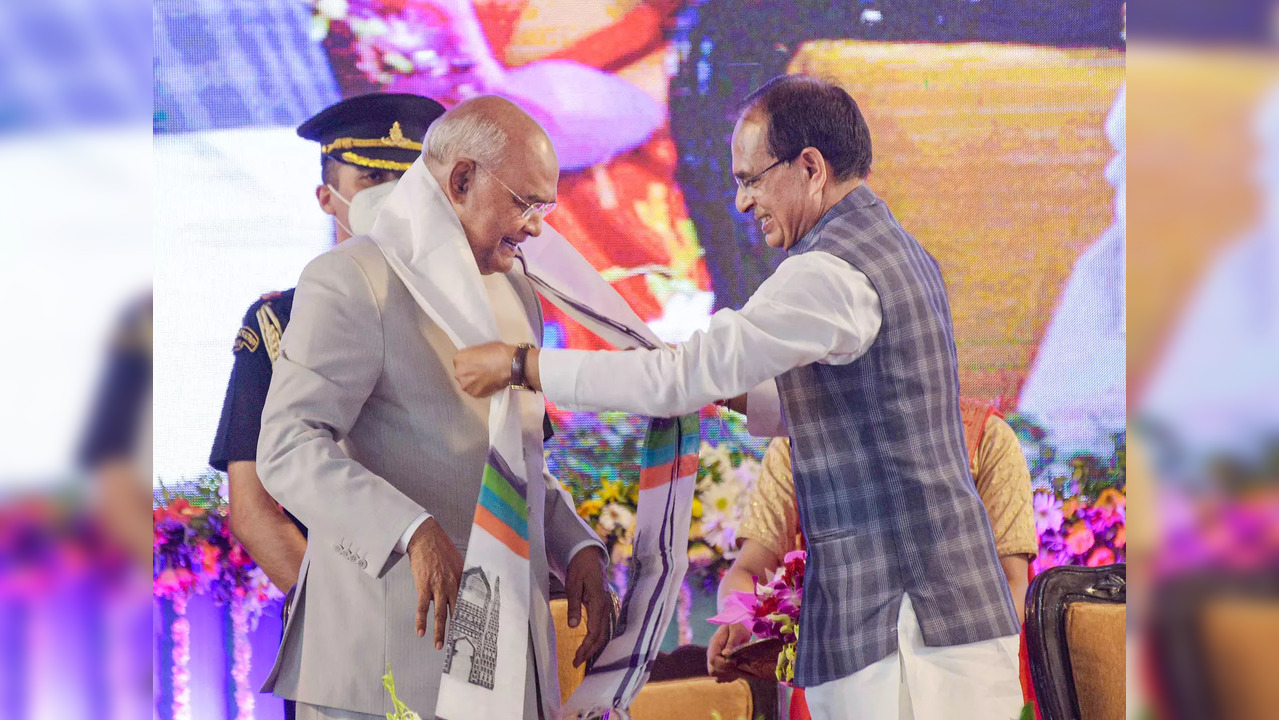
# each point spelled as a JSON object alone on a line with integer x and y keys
{"x": 815, "y": 307}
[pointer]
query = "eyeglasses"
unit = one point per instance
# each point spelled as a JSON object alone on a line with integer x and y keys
{"x": 748, "y": 185}
{"x": 531, "y": 210}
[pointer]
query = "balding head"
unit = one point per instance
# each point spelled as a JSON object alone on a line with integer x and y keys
{"x": 480, "y": 129}
{"x": 493, "y": 161}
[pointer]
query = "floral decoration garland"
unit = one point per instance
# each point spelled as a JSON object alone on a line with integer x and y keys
{"x": 194, "y": 553}
{"x": 1081, "y": 514}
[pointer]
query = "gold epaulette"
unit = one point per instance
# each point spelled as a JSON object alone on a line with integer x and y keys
{"x": 271, "y": 329}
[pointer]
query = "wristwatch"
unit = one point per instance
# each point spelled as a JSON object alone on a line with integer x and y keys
{"x": 519, "y": 378}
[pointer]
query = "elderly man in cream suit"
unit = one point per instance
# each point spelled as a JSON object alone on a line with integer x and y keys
{"x": 368, "y": 440}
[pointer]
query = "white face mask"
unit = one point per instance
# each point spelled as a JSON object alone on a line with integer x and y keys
{"x": 364, "y": 206}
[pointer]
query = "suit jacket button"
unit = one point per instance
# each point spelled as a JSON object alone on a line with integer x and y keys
{"x": 363, "y": 563}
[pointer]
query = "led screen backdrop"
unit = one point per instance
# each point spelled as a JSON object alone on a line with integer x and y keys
{"x": 997, "y": 127}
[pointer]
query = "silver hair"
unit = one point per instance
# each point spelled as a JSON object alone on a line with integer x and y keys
{"x": 468, "y": 134}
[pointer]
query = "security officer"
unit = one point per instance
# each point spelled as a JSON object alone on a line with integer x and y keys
{"x": 365, "y": 142}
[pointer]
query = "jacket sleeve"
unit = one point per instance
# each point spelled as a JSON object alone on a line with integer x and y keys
{"x": 331, "y": 357}
{"x": 566, "y": 531}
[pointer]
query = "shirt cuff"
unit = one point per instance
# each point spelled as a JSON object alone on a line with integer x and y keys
{"x": 764, "y": 411}
{"x": 589, "y": 543}
{"x": 402, "y": 545}
{"x": 559, "y": 370}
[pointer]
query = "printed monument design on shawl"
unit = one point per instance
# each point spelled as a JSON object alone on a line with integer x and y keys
{"x": 471, "y": 644}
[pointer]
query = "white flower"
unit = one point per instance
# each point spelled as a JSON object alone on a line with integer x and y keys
{"x": 717, "y": 530}
{"x": 615, "y": 516}
{"x": 721, "y": 498}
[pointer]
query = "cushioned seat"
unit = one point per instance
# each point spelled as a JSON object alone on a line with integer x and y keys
{"x": 1095, "y": 635}
{"x": 1075, "y": 641}
{"x": 1213, "y": 635}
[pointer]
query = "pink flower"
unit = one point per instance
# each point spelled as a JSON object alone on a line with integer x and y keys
{"x": 1048, "y": 515}
{"x": 1047, "y": 560}
{"x": 239, "y": 557}
{"x": 1080, "y": 539}
{"x": 174, "y": 581}
{"x": 737, "y": 608}
{"x": 1101, "y": 556}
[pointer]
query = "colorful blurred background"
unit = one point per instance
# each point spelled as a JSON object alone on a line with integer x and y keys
{"x": 994, "y": 126}
{"x": 1001, "y": 142}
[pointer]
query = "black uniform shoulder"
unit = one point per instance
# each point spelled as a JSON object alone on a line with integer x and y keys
{"x": 264, "y": 319}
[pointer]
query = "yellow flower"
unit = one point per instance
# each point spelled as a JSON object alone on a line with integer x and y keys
{"x": 610, "y": 491}
{"x": 1111, "y": 499}
{"x": 590, "y": 508}
{"x": 697, "y": 508}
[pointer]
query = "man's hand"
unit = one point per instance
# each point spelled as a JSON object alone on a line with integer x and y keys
{"x": 483, "y": 370}
{"x": 726, "y": 639}
{"x": 437, "y": 571}
{"x": 585, "y": 586}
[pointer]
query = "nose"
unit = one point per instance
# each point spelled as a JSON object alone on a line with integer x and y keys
{"x": 533, "y": 225}
{"x": 743, "y": 201}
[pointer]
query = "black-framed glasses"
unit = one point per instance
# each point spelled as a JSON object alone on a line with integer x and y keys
{"x": 748, "y": 185}
{"x": 540, "y": 210}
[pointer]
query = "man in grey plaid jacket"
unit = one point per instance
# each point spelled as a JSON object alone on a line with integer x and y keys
{"x": 905, "y": 611}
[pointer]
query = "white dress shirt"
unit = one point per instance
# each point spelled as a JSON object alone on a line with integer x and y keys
{"x": 814, "y": 308}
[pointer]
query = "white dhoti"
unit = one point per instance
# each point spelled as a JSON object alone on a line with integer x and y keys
{"x": 978, "y": 681}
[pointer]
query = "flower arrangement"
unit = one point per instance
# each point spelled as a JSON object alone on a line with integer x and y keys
{"x": 1081, "y": 517}
{"x": 598, "y": 463}
{"x": 193, "y": 551}
{"x": 727, "y": 473}
{"x": 772, "y": 610}
{"x": 51, "y": 542}
{"x": 1229, "y": 519}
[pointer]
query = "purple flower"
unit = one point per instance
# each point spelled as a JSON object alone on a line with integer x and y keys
{"x": 1048, "y": 514}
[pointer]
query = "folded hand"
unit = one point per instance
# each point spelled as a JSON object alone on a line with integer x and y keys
{"x": 483, "y": 370}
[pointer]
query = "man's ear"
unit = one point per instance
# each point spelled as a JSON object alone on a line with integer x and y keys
{"x": 461, "y": 180}
{"x": 813, "y": 164}
{"x": 325, "y": 197}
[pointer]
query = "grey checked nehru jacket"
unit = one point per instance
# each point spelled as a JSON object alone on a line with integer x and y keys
{"x": 886, "y": 499}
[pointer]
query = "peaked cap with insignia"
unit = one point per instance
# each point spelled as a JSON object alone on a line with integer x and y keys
{"x": 378, "y": 130}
